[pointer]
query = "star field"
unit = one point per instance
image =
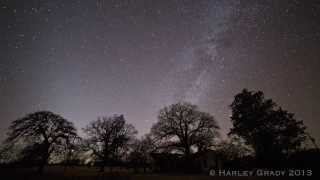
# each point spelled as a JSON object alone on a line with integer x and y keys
{"x": 84, "y": 59}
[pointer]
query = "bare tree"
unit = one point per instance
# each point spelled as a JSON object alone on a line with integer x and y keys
{"x": 182, "y": 127}
{"x": 44, "y": 130}
{"x": 140, "y": 155}
{"x": 108, "y": 137}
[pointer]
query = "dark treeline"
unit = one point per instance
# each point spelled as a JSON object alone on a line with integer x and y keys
{"x": 184, "y": 139}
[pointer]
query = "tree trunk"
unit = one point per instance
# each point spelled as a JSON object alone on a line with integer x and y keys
{"x": 44, "y": 151}
{"x": 187, "y": 153}
{"x": 40, "y": 169}
{"x": 101, "y": 168}
{"x": 43, "y": 162}
{"x": 187, "y": 159}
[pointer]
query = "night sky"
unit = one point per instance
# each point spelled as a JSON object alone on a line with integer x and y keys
{"x": 88, "y": 58}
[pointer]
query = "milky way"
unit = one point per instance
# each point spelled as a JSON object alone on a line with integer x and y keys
{"x": 84, "y": 59}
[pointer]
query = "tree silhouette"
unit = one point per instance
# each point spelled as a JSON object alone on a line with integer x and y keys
{"x": 182, "y": 127}
{"x": 69, "y": 153}
{"x": 108, "y": 137}
{"x": 272, "y": 131}
{"x": 141, "y": 149}
{"x": 234, "y": 148}
{"x": 45, "y": 132}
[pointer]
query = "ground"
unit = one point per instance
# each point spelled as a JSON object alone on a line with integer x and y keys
{"x": 91, "y": 173}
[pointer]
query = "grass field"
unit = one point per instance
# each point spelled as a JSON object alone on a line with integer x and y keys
{"x": 91, "y": 173}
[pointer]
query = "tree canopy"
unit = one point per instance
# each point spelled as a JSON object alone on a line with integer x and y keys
{"x": 44, "y": 131}
{"x": 182, "y": 127}
{"x": 272, "y": 131}
{"x": 108, "y": 138}
{"x": 141, "y": 149}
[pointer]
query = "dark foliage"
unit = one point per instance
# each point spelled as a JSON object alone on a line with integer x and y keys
{"x": 140, "y": 155}
{"x": 273, "y": 132}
